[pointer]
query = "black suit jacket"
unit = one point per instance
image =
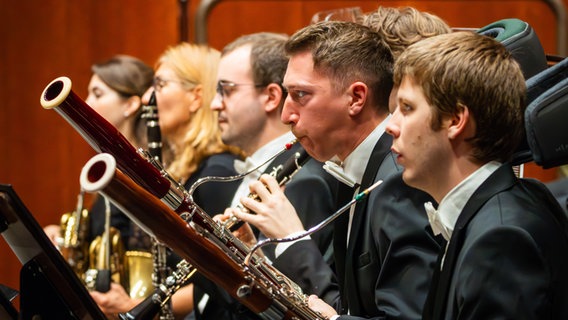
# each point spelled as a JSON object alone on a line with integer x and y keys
{"x": 212, "y": 197}
{"x": 311, "y": 192}
{"x": 507, "y": 257}
{"x": 385, "y": 271}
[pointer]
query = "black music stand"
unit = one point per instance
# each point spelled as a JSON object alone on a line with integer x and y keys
{"x": 49, "y": 289}
{"x": 7, "y": 310}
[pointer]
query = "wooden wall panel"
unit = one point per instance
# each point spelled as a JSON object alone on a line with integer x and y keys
{"x": 42, "y": 155}
{"x": 231, "y": 18}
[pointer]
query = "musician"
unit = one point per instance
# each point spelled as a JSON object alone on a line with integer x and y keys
{"x": 403, "y": 26}
{"x": 339, "y": 78}
{"x": 115, "y": 90}
{"x": 508, "y": 238}
{"x": 249, "y": 103}
{"x": 184, "y": 84}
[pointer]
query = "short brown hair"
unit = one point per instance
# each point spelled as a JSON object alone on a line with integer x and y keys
{"x": 268, "y": 60}
{"x": 347, "y": 52}
{"x": 468, "y": 69}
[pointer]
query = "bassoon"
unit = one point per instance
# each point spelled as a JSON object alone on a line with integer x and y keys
{"x": 176, "y": 220}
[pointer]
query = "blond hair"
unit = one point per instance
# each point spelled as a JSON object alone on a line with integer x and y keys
{"x": 196, "y": 65}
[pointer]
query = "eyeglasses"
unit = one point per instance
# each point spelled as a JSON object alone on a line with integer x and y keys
{"x": 225, "y": 88}
{"x": 159, "y": 83}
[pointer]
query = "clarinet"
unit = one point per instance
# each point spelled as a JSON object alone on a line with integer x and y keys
{"x": 148, "y": 308}
{"x": 165, "y": 210}
{"x": 155, "y": 302}
{"x": 159, "y": 251}
{"x": 282, "y": 173}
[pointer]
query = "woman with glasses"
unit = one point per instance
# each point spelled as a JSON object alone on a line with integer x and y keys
{"x": 184, "y": 86}
{"x": 115, "y": 91}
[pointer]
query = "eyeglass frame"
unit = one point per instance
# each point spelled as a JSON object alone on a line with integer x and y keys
{"x": 222, "y": 84}
{"x": 158, "y": 83}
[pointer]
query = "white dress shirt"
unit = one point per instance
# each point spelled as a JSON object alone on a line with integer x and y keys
{"x": 254, "y": 160}
{"x": 443, "y": 220}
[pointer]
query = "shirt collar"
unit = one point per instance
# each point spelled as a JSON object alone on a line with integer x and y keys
{"x": 269, "y": 150}
{"x": 453, "y": 203}
{"x": 356, "y": 162}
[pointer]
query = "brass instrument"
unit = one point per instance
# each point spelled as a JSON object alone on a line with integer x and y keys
{"x": 148, "y": 308}
{"x": 131, "y": 269}
{"x": 176, "y": 220}
{"x": 73, "y": 243}
{"x": 105, "y": 258}
{"x": 205, "y": 244}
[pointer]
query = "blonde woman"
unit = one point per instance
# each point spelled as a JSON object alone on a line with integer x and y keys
{"x": 184, "y": 85}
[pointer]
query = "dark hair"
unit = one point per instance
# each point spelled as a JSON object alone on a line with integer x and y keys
{"x": 347, "y": 52}
{"x": 129, "y": 77}
{"x": 268, "y": 59}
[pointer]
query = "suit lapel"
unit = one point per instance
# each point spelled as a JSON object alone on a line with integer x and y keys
{"x": 500, "y": 180}
{"x": 381, "y": 149}
{"x": 344, "y": 195}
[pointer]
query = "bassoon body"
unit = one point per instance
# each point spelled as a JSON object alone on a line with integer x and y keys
{"x": 176, "y": 220}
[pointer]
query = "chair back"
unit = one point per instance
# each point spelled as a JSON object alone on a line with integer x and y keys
{"x": 546, "y": 116}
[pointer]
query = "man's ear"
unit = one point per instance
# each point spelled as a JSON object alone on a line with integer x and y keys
{"x": 274, "y": 96}
{"x": 357, "y": 92}
{"x": 459, "y": 122}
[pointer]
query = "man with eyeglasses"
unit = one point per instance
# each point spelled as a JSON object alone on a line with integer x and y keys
{"x": 249, "y": 103}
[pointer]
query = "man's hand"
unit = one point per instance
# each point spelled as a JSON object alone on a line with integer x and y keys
{"x": 320, "y": 306}
{"x": 244, "y": 233}
{"x": 275, "y": 216}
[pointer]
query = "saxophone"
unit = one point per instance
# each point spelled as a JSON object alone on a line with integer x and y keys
{"x": 73, "y": 243}
{"x": 106, "y": 258}
{"x": 165, "y": 210}
{"x": 159, "y": 251}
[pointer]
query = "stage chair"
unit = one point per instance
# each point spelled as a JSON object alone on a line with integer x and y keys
{"x": 546, "y": 116}
{"x": 521, "y": 40}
